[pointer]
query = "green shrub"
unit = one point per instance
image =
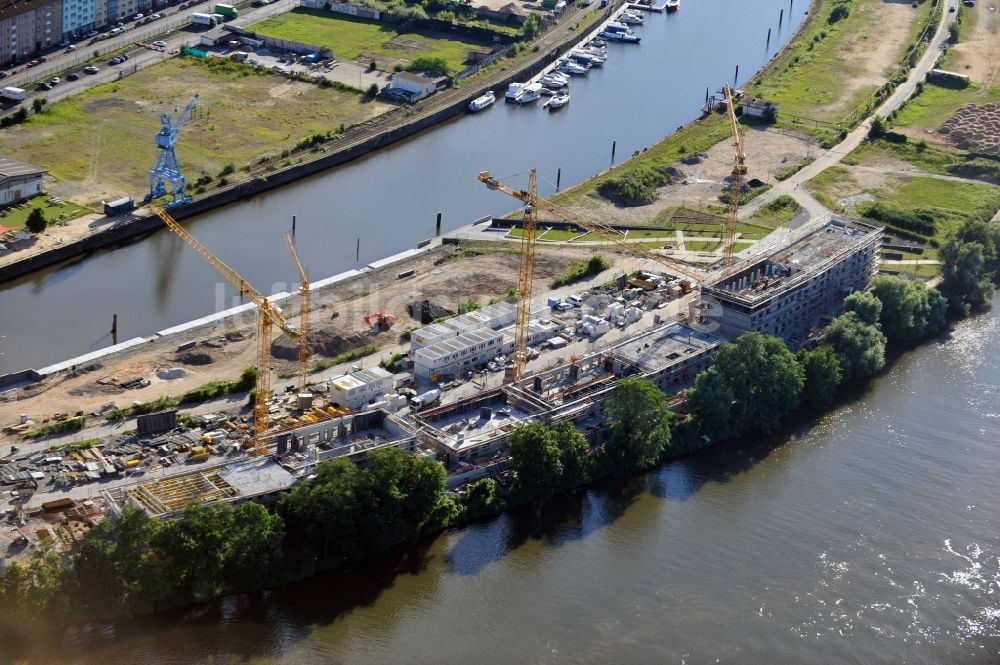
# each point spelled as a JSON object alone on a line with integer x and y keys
{"x": 889, "y": 214}
{"x": 633, "y": 187}
{"x": 579, "y": 270}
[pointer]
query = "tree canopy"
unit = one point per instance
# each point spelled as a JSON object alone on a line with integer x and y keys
{"x": 865, "y": 305}
{"x": 823, "y": 376}
{"x": 640, "y": 426}
{"x": 860, "y": 346}
{"x": 36, "y": 221}
{"x": 965, "y": 281}
{"x": 536, "y": 459}
{"x": 764, "y": 379}
{"x": 910, "y": 310}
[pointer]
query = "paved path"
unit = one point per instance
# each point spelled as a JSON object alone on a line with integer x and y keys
{"x": 832, "y": 157}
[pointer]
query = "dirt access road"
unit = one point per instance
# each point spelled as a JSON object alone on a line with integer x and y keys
{"x": 831, "y": 157}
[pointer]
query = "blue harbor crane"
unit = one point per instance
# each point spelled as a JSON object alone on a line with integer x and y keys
{"x": 167, "y": 169}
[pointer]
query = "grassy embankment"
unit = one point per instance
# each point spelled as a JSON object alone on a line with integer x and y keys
{"x": 363, "y": 40}
{"x": 808, "y": 79}
{"x": 832, "y": 68}
{"x": 100, "y": 142}
{"x": 53, "y": 213}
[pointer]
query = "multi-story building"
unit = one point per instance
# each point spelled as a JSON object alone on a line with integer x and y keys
{"x": 78, "y": 17}
{"x": 28, "y": 26}
{"x": 792, "y": 288}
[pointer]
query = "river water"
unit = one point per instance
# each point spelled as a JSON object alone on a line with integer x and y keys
{"x": 390, "y": 199}
{"x": 867, "y": 536}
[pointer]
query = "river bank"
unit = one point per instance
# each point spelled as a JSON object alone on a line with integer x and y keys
{"x": 358, "y": 141}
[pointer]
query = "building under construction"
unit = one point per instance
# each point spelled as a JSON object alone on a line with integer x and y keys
{"x": 790, "y": 289}
{"x": 785, "y": 290}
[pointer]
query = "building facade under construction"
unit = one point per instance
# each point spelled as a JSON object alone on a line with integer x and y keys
{"x": 790, "y": 289}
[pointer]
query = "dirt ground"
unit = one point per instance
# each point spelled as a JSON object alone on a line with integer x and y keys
{"x": 869, "y": 56}
{"x": 977, "y": 54}
{"x": 339, "y": 310}
{"x": 768, "y": 151}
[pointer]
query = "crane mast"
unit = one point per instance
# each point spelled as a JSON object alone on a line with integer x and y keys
{"x": 268, "y": 316}
{"x": 736, "y": 177}
{"x": 532, "y": 203}
{"x": 303, "y": 316}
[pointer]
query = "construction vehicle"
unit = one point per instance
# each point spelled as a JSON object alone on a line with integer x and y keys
{"x": 303, "y": 316}
{"x": 268, "y": 316}
{"x": 532, "y": 203}
{"x": 736, "y": 178}
{"x": 378, "y": 321}
{"x": 167, "y": 168}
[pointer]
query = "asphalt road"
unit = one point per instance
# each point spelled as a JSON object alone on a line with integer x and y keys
{"x": 63, "y": 62}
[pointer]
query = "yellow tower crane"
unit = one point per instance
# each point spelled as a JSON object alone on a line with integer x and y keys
{"x": 267, "y": 316}
{"x": 531, "y": 205}
{"x": 303, "y": 317}
{"x": 736, "y": 177}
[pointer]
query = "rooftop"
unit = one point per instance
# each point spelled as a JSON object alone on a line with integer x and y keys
{"x": 478, "y": 420}
{"x": 664, "y": 347}
{"x": 360, "y": 378}
{"x": 451, "y": 345}
{"x": 11, "y": 168}
{"x": 812, "y": 249}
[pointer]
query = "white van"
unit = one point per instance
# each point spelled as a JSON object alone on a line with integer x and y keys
{"x": 575, "y": 300}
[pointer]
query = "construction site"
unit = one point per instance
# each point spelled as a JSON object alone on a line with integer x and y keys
{"x": 461, "y": 385}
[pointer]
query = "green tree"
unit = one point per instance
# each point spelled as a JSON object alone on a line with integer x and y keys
{"x": 764, "y": 378}
{"x": 984, "y": 233}
{"x": 823, "y": 376}
{"x": 866, "y": 305}
{"x": 537, "y": 461}
{"x": 711, "y": 402}
{"x": 910, "y": 310}
{"x": 574, "y": 456}
{"x": 965, "y": 282}
{"x": 482, "y": 499}
{"x": 860, "y": 346}
{"x": 531, "y": 26}
{"x": 252, "y": 551}
{"x": 640, "y": 425}
{"x": 36, "y": 221}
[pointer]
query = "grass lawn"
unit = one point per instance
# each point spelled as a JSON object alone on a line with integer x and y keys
{"x": 349, "y": 37}
{"x": 702, "y": 245}
{"x": 650, "y": 233}
{"x": 922, "y": 270}
{"x": 559, "y": 235}
{"x": 935, "y": 104}
{"x": 53, "y": 213}
{"x": 810, "y": 79}
{"x": 99, "y": 143}
{"x": 776, "y": 213}
{"x": 948, "y": 201}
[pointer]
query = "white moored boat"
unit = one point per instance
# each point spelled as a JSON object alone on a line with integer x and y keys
{"x": 479, "y": 103}
{"x": 514, "y": 92}
{"x": 559, "y": 100}
{"x": 530, "y": 92}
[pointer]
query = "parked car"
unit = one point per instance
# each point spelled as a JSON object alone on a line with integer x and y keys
{"x": 34, "y": 63}
{"x": 136, "y": 17}
{"x": 44, "y": 86}
{"x": 115, "y": 61}
{"x": 124, "y": 56}
{"x": 71, "y": 48}
{"x": 72, "y": 76}
{"x": 90, "y": 69}
{"x": 42, "y": 58}
{"x": 3, "y": 75}
{"x": 159, "y": 43}
{"x": 155, "y": 17}
{"x": 55, "y": 80}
